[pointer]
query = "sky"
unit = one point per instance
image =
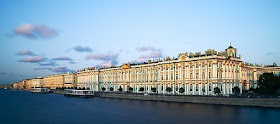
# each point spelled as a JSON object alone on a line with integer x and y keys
{"x": 44, "y": 37}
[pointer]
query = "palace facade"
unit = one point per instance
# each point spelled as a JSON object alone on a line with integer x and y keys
{"x": 196, "y": 73}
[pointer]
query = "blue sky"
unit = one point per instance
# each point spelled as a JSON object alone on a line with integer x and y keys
{"x": 39, "y": 38}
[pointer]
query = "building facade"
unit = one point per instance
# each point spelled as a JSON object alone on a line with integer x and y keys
{"x": 37, "y": 82}
{"x": 70, "y": 80}
{"x": 88, "y": 78}
{"x": 53, "y": 81}
{"x": 194, "y": 73}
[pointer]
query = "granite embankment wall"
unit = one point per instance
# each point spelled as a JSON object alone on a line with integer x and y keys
{"x": 259, "y": 102}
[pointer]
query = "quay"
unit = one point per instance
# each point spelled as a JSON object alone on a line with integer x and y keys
{"x": 254, "y": 102}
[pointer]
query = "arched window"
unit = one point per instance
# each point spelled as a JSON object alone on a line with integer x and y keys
{"x": 196, "y": 76}
{"x": 191, "y": 87}
{"x": 196, "y": 87}
{"x": 190, "y": 75}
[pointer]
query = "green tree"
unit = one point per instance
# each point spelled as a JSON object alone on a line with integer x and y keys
{"x": 130, "y": 89}
{"x": 103, "y": 88}
{"x": 269, "y": 84}
{"x": 111, "y": 88}
{"x": 236, "y": 90}
{"x": 154, "y": 89}
{"x": 141, "y": 89}
{"x": 181, "y": 90}
{"x": 217, "y": 90}
{"x": 168, "y": 89}
{"x": 261, "y": 89}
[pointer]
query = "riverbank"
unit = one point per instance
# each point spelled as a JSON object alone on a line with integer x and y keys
{"x": 256, "y": 102}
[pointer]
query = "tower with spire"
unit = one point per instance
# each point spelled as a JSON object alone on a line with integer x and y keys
{"x": 231, "y": 51}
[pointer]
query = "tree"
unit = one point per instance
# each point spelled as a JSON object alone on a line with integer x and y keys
{"x": 269, "y": 84}
{"x": 154, "y": 89}
{"x": 217, "y": 90}
{"x": 141, "y": 89}
{"x": 103, "y": 88}
{"x": 168, "y": 89}
{"x": 181, "y": 90}
{"x": 130, "y": 89}
{"x": 120, "y": 89}
{"x": 111, "y": 88}
{"x": 236, "y": 90}
{"x": 261, "y": 89}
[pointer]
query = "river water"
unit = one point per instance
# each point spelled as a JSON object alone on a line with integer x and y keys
{"x": 22, "y": 107}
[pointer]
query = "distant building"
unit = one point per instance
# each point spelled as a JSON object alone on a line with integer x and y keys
{"x": 53, "y": 81}
{"x": 70, "y": 80}
{"x": 37, "y": 82}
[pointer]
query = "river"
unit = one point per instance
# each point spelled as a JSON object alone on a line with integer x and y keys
{"x": 22, "y": 107}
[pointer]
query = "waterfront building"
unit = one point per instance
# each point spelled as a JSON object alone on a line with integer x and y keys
{"x": 18, "y": 85}
{"x": 88, "y": 78}
{"x": 37, "y": 82}
{"x": 196, "y": 73}
{"x": 27, "y": 84}
{"x": 53, "y": 81}
{"x": 70, "y": 80}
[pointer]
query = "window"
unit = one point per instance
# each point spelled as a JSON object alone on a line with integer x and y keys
{"x": 191, "y": 87}
{"x": 196, "y": 76}
{"x": 166, "y": 77}
{"x": 196, "y": 65}
{"x": 196, "y": 87}
{"x": 190, "y": 75}
{"x": 203, "y": 75}
{"x": 210, "y": 88}
{"x": 171, "y": 76}
{"x": 177, "y": 76}
{"x": 191, "y": 66}
{"x": 209, "y": 64}
{"x": 209, "y": 74}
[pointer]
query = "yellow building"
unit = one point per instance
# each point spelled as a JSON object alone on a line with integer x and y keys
{"x": 37, "y": 82}
{"x": 27, "y": 84}
{"x": 18, "y": 85}
{"x": 70, "y": 80}
{"x": 53, "y": 81}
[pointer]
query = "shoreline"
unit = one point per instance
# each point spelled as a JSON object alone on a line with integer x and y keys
{"x": 251, "y": 102}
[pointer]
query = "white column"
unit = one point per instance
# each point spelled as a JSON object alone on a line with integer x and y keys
{"x": 193, "y": 88}
{"x": 199, "y": 89}
{"x": 173, "y": 88}
{"x": 163, "y": 90}
{"x": 187, "y": 89}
